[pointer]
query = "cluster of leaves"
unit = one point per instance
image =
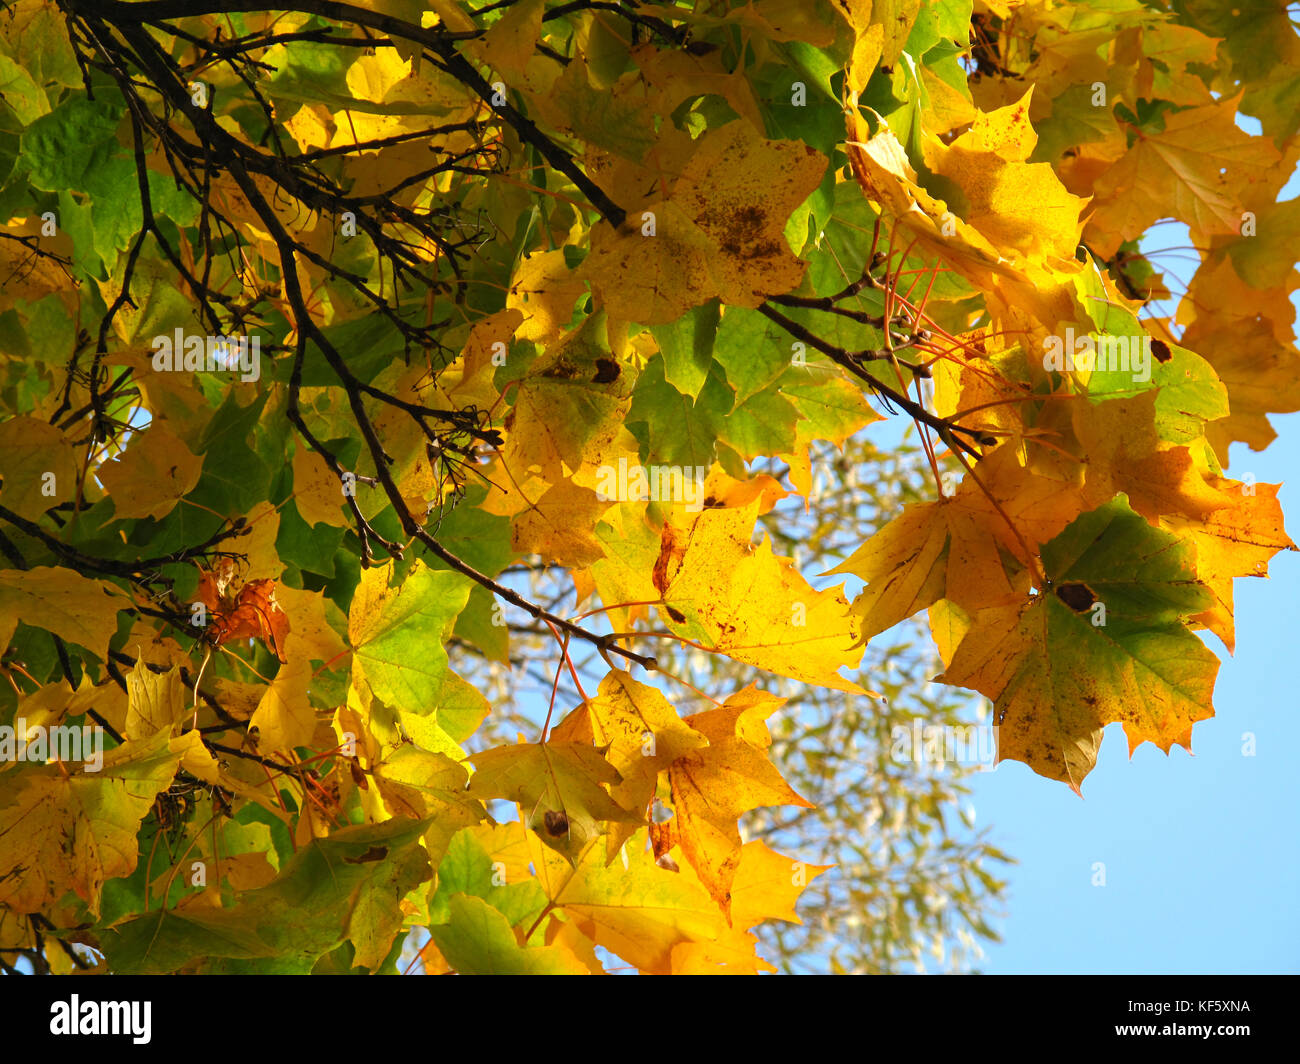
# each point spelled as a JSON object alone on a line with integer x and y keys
{"x": 489, "y": 259}
{"x": 912, "y": 887}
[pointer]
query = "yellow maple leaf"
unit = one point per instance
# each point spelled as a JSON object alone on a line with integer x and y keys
{"x": 38, "y": 466}
{"x": 719, "y": 231}
{"x": 558, "y": 526}
{"x": 714, "y": 786}
{"x": 735, "y": 953}
{"x": 638, "y": 911}
{"x": 1194, "y": 170}
{"x": 570, "y": 406}
{"x": 317, "y": 492}
{"x": 1237, "y": 539}
{"x": 558, "y": 788}
{"x": 932, "y": 550}
{"x": 156, "y": 701}
{"x": 745, "y": 602}
{"x": 284, "y": 717}
{"x": 1035, "y": 291}
{"x": 1020, "y": 207}
{"x": 1124, "y": 453}
{"x": 543, "y": 291}
{"x": 641, "y": 733}
{"x": 767, "y": 885}
{"x": 73, "y": 607}
{"x": 66, "y": 830}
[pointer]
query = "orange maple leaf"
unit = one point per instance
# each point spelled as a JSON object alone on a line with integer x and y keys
{"x": 250, "y": 613}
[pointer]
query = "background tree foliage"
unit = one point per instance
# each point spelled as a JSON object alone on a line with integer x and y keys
{"x": 391, "y": 651}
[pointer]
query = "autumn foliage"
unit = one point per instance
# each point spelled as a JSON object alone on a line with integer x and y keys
{"x": 322, "y": 324}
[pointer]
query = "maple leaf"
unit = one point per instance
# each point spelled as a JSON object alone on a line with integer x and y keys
{"x": 1105, "y": 641}
{"x": 347, "y": 887}
{"x": 1237, "y": 539}
{"x": 1035, "y": 291}
{"x": 152, "y": 475}
{"x": 396, "y": 633}
{"x": 284, "y": 717}
{"x": 1247, "y": 340}
{"x": 945, "y": 549}
{"x": 478, "y": 941}
{"x": 34, "y": 456}
{"x": 64, "y": 830}
{"x": 1193, "y": 169}
{"x": 720, "y": 229}
{"x": 711, "y": 580}
{"x": 251, "y": 612}
{"x": 155, "y": 701}
{"x": 73, "y": 607}
{"x": 543, "y": 290}
{"x": 641, "y": 734}
{"x": 558, "y": 525}
{"x": 558, "y": 787}
{"x": 570, "y": 406}
{"x": 423, "y": 784}
{"x": 767, "y": 885}
{"x": 1020, "y": 207}
{"x": 640, "y": 912}
{"x": 473, "y": 866}
{"x": 713, "y": 787}
{"x": 317, "y": 492}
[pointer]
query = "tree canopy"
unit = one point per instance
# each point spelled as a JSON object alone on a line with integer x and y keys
{"x": 368, "y": 364}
